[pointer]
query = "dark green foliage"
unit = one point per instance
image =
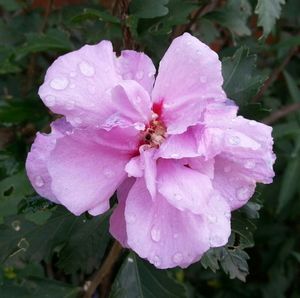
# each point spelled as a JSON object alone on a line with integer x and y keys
{"x": 45, "y": 251}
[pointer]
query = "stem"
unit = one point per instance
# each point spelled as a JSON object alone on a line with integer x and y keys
{"x": 105, "y": 270}
{"x": 283, "y": 112}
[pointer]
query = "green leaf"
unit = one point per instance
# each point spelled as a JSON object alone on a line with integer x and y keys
{"x": 234, "y": 16}
{"x": 241, "y": 79}
{"x": 92, "y": 14}
{"x": 137, "y": 278}
{"x": 53, "y": 40}
{"x": 10, "y": 5}
{"x": 268, "y": 12}
{"x": 148, "y": 9}
{"x": 6, "y": 63}
{"x": 38, "y": 287}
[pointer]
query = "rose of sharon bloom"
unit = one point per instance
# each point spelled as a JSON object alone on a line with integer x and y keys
{"x": 173, "y": 147}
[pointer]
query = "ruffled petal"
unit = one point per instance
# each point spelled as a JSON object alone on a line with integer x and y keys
{"x": 117, "y": 225}
{"x": 189, "y": 77}
{"x": 75, "y": 84}
{"x": 183, "y": 187}
{"x": 36, "y": 163}
{"x": 137, "y": 66}
{"x": 164, "y": 235}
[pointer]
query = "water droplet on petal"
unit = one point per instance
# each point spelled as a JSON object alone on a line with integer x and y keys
{"x": 72, "y": 86}
{"x": 203, "y": 79}
{"x": 234, "y": 140}
{"x": 70, "y": 105}
{"x": 139, "y": 126}
{"x": 72, "y": 74}
{"x": 39, "y": 182}
{"x": 59, "y": 83}
{"x": 23, "y": 244}
{"x": 174, "y": 155}
{"x": 86, "y": 69}
{"x": 50, "y": 100}
{"x": 177, "y": 258}
{"x": 178, "y": 196}
{"x": 138, "y": 99}
{"x": 212, "y": 218}
{"x": 227, "y": 214}
{"x": 139, "y": 75}
{"x": 249, "y": 164}
{"x": 227, "y": 169}
{"x": 252, "y": 123}
{"x": 150, "y": 74}
{"x": 155, "y": 234}
{"x": 108, "y": 173}
{"x": 130, "y": 260}
{"x": 175, "y": 235}
{"x": 154, "y": 116}
{"x": 16, "y": 225}
{"x": 243, "y": 193}
{"x": 77, "y": 120}
{"x": 156, "y": 261}
{"x": 130, "y": 218}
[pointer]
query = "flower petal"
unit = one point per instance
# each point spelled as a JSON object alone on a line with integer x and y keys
{"x": 117, "y": 225}
{"x": 164, "y": 235}
{"x": 137, "y": 66}
{"x": 71, "y": 168}
{"x": 76, "y": 82}
{"x": 183, "y": 187}
{"x": 36, "y": 163}
{"x": 189, "y": 76}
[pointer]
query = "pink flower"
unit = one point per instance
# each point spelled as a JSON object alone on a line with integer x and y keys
{"x": 177, "y": 153}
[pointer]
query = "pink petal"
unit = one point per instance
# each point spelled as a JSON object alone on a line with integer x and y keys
{"x": 117, "y": 220}
{"x": 137, "y": 66}
{"x": 161, "y": 233}
{"x": 73, "y": 169}
{"x": 36, "y": 163}
{"x": 189, "y": 76}
{"x": 183, "y": 187}
{"x": 76, "y": 82}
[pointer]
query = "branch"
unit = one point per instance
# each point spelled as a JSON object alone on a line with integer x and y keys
{"x": 283, "y": 112}
{"x": 274, "y": 75}
{"x": 105, "y": 270}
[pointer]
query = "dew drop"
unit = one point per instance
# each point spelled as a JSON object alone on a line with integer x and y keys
{"x": 130, "y": 260}
{"x": 50, "y": 100}
{"x": 108, "y": 173}
{"x": 59, "y": 83}
{"x": 150, "y": 74}
{"x": 86, "y": 69}
{"x": 156, "y": 261}
{"x": 175, "y": 155}
{"x": 227, "y": 169}
{"x": 139, "y": 75}
{"x": 177, "y": 258}
{"x": 139, "y": 126}
{"x": 39, "y": 182}
{"x": 154, "y": 116}
{"x": 23, "y": 244}
{"x": 178, "y": 196}
{"x": 155, "y": 234}
{"x": 249, "y": 164}
{"x": 234, "y": 140}
{"x": 243, "y": 193}
{"x": 130, "y": 218}
{"x": 227, "y": 214}
{"x": 203, "y": 79}
{"x": 16, "y": 225}
{"x": 138, "y": 99}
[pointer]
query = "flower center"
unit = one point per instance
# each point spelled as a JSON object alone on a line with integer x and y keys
{"x": 154, "y": 134}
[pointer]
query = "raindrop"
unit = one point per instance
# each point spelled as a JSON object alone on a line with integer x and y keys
{"x": 177, "y": 258}
{"x": 155, "y": 234}
{"x": 175, "y": 155}
{"x": 150, "y": 74}
{"x": 249, "y": 164}
{"x": 243, "y": 193}
{"x": 86, "y": 69}
{"x": 16, "y": 225}
{"x": 130, "y": 260}
{"x": 39, "y": 182}
{"x": 178, "y": 196}
{"x": 23, "y": 244}
{"x": 234, "y": 140}
{"x": 59, "y": 83}
{"x": 108, "y": 173}
{"x": 227, "y": 214}
{"x": 156, "y": 261}
{"x": 139, "y": 75}
{"x": 154, "y": 116}
{"x": 50, "y": 100}
{"x": 139, "y": 126}
{"x": 130, "y": 218}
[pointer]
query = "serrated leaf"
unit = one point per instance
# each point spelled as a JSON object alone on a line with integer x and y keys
{"x": 92, "y": 14}
{"x": 148, "y": 9}
{"x": 234, "y": 16}
{"x": 137, "y": 278}
{"x": 241, "y": 79}
{"x": 268, "y": 12}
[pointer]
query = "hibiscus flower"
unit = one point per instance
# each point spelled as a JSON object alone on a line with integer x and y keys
{"x": 172, "y": 147}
